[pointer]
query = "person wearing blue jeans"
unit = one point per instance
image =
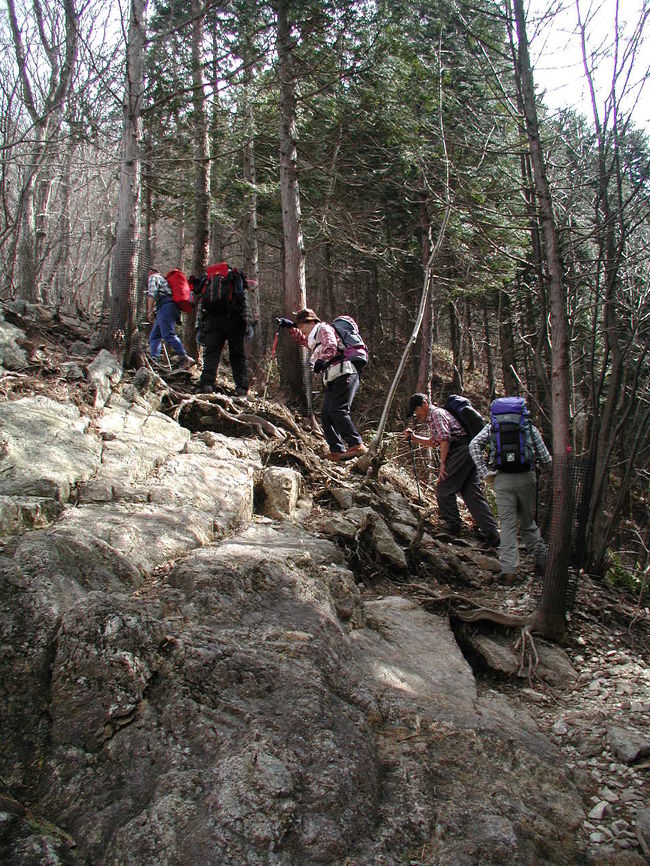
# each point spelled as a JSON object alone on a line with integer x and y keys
{"x": 159, "y": 299}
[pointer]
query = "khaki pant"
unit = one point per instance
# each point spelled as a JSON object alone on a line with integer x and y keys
{"x": 515, "y": 500}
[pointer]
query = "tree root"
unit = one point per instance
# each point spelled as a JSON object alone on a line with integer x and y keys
{"x": 528, "y": 659}
{"x": 487, "y": 614}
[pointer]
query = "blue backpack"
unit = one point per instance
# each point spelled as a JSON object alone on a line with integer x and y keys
{"x": 511, "y": 442}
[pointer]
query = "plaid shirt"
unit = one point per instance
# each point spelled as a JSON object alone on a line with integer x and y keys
{"x": 478, "y": 443}
{"x": 157, "y": 286}
{"x": 443, "y": 425}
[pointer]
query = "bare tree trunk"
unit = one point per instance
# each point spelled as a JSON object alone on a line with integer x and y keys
{"x": 550, "y": 616}
{"x": 148, "y": 253}
{"x": 294, "y": 368}
{"x": 456, "y": 347}
{"x": 507, "y": 344}
{"x": 371, "y": 456}
{"x": 123, "y": 324}
{"x": 471, "y": 356}
{"x": 28, "y": 287}
{"x": 425, "y": 369}
{"x": 251, "y": 245}
{"x": 61, "y": 269}
{"x": 61, "y": 51}
{"x": 488, "y": 352}
{"x": 201, "y": 143}
{"x": 201, "y": 147}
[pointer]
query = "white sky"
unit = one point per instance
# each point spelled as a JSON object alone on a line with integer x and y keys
{"x": 552, "y": 27}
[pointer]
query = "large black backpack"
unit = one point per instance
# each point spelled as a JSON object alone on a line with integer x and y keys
{"x": 463, "y": 411}
{"x": 225, "y": 294}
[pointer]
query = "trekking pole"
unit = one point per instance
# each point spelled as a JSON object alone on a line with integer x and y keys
{"x": 169, "y": 363}
{"x": 268, "y": 372}
{"x": 415, "y": 470}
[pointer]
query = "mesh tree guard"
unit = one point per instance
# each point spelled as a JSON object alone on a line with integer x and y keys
{"x": 579, "y": 474}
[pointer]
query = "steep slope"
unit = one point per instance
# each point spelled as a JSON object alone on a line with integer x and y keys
{"x": 187, "y": 679}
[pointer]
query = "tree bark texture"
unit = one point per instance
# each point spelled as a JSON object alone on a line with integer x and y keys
{"x": 123, "y": 324}
{"x": 293, "y": 367}
{"x": 46, "y": 119}
{"x": 551, "y": 612}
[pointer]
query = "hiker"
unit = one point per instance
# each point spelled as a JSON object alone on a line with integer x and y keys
{"x": 163, "y": 313}
{"x": 340, "y": 380}
{"x": 516, "y": 446}
{"x": 457, "y": 474}
{"x": 224, "y": 316}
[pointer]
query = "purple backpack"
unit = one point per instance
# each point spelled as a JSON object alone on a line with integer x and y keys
{"x": 511, "y": 442}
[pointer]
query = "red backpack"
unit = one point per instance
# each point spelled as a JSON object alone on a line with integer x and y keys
{"x": 181, "y": 290}
{"x": 224, "y": 291}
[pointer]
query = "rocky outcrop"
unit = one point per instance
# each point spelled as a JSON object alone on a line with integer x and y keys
{"x": 184, "y": 681}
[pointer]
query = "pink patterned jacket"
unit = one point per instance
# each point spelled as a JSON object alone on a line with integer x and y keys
{"x": 322, "y": 342}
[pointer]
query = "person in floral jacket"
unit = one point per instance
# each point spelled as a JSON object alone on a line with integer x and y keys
{"x": 340, "y": 381}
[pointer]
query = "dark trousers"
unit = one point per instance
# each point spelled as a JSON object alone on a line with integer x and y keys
{"x": 462, "y": 479}
{"x": 218, "y": 330}
{"x": 338, "y": 428}
{"x": 164, "y": 328}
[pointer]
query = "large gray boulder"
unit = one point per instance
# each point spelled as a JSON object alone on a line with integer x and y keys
{"x": 45, "y": 448}
{"x": 183, "y": 681}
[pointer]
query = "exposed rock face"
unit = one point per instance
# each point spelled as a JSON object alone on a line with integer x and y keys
{"x": 281, "y": 490}
{"x": 12, "y": 356}
{"x": 182, "y": 682}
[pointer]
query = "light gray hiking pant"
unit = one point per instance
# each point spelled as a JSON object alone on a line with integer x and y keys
{"x": 515, "y": 500}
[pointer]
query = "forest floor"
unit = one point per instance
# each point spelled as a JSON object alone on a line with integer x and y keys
{"x": 596, "y": 722}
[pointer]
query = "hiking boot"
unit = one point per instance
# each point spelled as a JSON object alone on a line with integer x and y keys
{"x": 335, "y": 456}
{"x": 451, "y": 531}
{"x": 356, "y": 451}
{"x": 509, "y": 578}
{"x": 241, "y": 392}
{"x": 206, "y": 389}
{"x": 491, "y": 543}
{"x": 187, "y": 363}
